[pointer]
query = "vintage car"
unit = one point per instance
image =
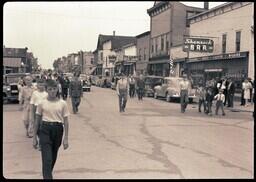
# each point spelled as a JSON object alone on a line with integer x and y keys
{"x": 10, "y": 86}
{"x": 150, "y": 83}
{"x": 170, "y": 89}
{"x": 85, "y": 83}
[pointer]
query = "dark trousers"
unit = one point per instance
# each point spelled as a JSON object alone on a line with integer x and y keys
{"x": 225, "y": 92}
{"x": 140, "y": 93}
{"x": 64, "y": 93}
{"x": 219, "y": 104}
{"x": 132, "y": 90}
{"x": 50, "y": 141}
{"x": 230, "y": 100}
{"x": 183, "y": 100}
{"x": 242, "y": 98}
{"x": 75, "y": 103}
{"x": 122, "y": 100}
{"x": 200, "y": 102}
{"x": 208, "y": 107}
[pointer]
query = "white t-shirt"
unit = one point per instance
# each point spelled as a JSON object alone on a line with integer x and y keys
{"x": 37, "y": 97}
{"x": 53, "y": 111}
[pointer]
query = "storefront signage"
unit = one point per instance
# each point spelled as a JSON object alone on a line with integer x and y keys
{"x": 130, "y": 58}
{"x": 198, "y": 45}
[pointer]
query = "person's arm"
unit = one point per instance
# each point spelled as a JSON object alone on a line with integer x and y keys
{"x": 38, "y": 120}
{"x": 65, "y": 139}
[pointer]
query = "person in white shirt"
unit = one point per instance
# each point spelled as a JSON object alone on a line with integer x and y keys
{"x": 37, "y": 97}
{"x": 122, "y": 89}
{"x": 53, "y": 114}
{"x": 220, "y": 97}
{"x": 184, "y": 89}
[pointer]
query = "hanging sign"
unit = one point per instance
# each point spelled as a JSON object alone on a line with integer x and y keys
{"x": 198, "y": 45}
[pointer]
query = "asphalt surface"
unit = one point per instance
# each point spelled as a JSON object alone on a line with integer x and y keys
{"x": 151, "y": 140}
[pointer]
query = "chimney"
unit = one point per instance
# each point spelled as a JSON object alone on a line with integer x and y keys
{"x": 206, "y": 5}
{"x": 114, "y": 33}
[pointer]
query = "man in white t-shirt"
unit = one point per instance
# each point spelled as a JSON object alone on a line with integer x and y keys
{"x": 37, "y": 97}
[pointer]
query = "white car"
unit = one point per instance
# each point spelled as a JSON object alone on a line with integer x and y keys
{"x": 170, "y": 89}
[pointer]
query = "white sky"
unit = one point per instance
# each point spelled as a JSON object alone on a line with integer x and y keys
{"x": 55, "y": 29}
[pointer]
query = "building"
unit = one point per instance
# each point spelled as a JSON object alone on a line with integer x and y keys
{"x": 168, "y": 25}
{"x": 87, "y": 62}
{"x": 126, "y": 59}
{"x": 142, "y": 43}
{"x": 230, "y": 28}
{"x": 16, "y": 60}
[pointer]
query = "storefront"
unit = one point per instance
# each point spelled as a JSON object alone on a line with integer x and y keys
{"x": 234, "y": 66}
{"x": 160, "y": 67}
{"x": 126, "y": 67}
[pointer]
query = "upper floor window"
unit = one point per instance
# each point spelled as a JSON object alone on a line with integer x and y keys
{"x": 101, "y": 56}
{"x": 140, "y": 54}
{"x": 92, "y": 60}
{"x": 162, "y": 43}
{"x": 224, "y": 43}
{"x": 238, "y": 41}
{"x": 167, "y": 46}
{"x": 145, "y": 54}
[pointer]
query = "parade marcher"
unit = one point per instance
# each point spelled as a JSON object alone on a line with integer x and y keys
{"x": 52, "y": 113}
{"x": 246, "y": 87}
{"x": 65, "y": 86}
{"x": 184, "y": 89}
{"x": 140, "y": 86}
{"x": 230, "y": 92}
{"x": 132, "y": 86}
{"x": 37, "y": 97}
{"x": 75, "y": 92}
{"x": 122, "y": 89}
{"x": 220, "y": 99}
{"x": 201, "y": 93}
{"x": 24, "y": 99}
{"x": 208, "y": 100}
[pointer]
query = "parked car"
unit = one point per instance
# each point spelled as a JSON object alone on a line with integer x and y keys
{"x": 170, "y": 89}
{"x": 10, "y": 86}
{"x": 85, "y": 82}
{"x": 150, "y": 83}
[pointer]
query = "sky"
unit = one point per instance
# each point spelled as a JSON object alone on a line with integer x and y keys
{"x": 54, "y": 29}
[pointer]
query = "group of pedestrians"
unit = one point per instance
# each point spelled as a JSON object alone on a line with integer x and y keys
{"x": 45, "y": 114}
{"x": 129, "y": 86}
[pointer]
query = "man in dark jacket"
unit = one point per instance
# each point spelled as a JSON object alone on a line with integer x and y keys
{"x": 64, "y": 86}
{"x": 75, "y": 92}
{"x": 230, "y": 92}
{"x": 140, "y": 87}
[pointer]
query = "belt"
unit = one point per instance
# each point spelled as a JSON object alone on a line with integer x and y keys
{"x": 51, "y": 123}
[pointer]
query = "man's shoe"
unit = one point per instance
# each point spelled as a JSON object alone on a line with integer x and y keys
{"x": 223, "y": 114}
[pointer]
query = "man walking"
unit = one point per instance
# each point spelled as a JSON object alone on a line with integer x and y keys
{"x": 122, "y": 89}
{"x": 75, "y": 92}
{"x": 64, "y": 87}
{"x": 140, "y": 87}
{"x": 184, "y": 88}
{"x": 231, "y": 92}
{"x": 132, "y": 86}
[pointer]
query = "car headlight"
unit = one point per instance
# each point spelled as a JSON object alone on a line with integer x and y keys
{"x": 8, "y": 89}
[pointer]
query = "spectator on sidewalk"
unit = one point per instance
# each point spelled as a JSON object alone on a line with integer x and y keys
{"x": 246, "y": 87}
{"x": 242, "y": 94}
{"x": 220, "y": 97}
{"x": 201, "y": 93}
{"x": 251, "y": 96}
{"x": 230, "y": 92}
{"x": 208, "y": 100}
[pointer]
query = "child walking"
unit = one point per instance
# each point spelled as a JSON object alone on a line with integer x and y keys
{"x": 37, "y": 97}
{"x": 220, "y": 97}
{"x": 53, "y": 114}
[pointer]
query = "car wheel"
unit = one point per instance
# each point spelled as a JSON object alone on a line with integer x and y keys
{"x": 168, "y": 98}
{"x": 155, "y": 95}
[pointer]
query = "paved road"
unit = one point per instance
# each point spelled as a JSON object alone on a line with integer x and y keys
{"x": 152, "y": 139}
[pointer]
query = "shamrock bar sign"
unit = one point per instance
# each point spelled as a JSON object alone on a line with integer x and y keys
{"x": 198, "y": 45}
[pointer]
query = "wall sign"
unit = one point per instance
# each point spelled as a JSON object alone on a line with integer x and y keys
{"x": 198, "y": 45}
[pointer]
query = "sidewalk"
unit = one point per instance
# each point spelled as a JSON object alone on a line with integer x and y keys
{"x": 238, "y": 108}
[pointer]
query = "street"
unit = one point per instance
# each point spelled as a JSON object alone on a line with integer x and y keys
{"x": 152, "y": 139}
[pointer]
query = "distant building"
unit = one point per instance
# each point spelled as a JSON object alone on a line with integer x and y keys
{"x": 142, "y": 52}
{"x": 16, "y": 60}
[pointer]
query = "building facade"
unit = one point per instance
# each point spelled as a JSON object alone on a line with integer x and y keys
{"x": 168, "y": 25}
{"x": 142, "y": 44}
{"x": 233, "y": 52}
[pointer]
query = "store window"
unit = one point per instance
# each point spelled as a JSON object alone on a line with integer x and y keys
{"x": 238, "y": 40}
{"x": 162, "y": 43}
{"x": 224, "y": 43}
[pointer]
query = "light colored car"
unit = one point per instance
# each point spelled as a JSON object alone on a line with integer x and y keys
{"x": 170, "y": 89}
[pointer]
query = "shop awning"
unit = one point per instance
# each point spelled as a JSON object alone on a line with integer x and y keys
{"x": 159, "y": 62}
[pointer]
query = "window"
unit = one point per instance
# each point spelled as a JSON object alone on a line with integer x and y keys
{"x": 162, "y": 43}
{"x": 140, "y": 54}
{"x": 91, "y": 60}
{"x": 224, "y": 42}
{"x": 152, "y": 49}
{"x": 101, "y": 56}
{"x": 145, "y": 54}
{"x": 238, "y": 40}
{"x": 167, "y": 46}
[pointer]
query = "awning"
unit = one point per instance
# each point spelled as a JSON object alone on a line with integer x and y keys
{"x": 159, "y": 62}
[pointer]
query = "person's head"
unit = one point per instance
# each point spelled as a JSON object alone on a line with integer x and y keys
{"x": 28, "y": 80}
{"x": 41, "y": 85}
{"x": 184, "y": 76}
{"x": 52, "y": 89}
{"x": 141, "y": 76}
{"x": 246, "y": 80}
{"x": 221, "y": 91}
